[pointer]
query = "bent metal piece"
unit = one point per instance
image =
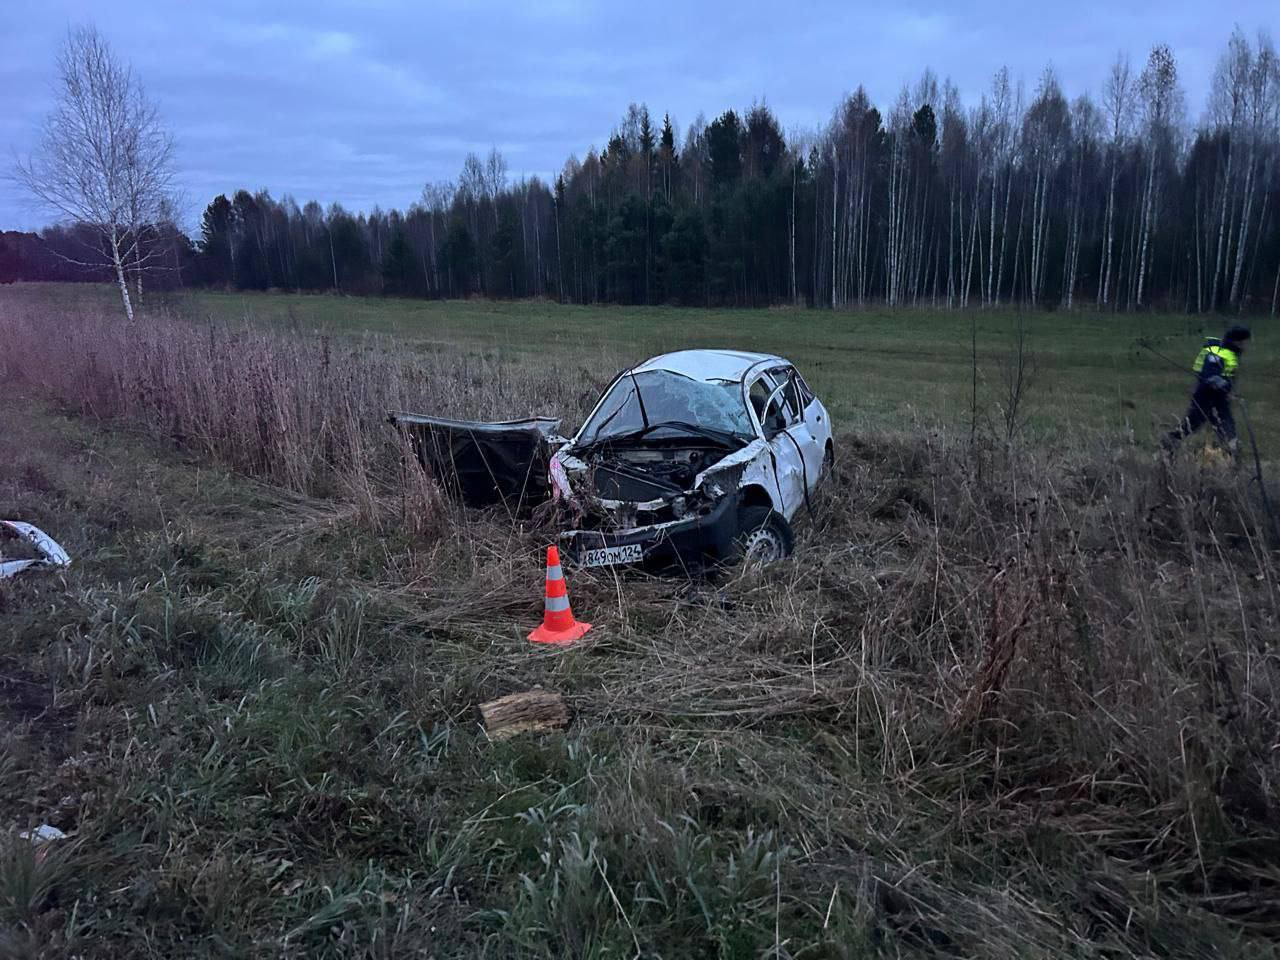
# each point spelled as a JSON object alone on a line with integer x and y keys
{"x": 485, "y": 463}
{"x": 51, "y": 552}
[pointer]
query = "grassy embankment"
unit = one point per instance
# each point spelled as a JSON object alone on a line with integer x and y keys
{"x": 1004, "y": 701}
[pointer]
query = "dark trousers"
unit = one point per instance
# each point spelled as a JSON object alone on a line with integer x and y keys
{"x": 1207, "y": 404}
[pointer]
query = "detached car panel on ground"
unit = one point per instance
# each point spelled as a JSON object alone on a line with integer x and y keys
{"x": 688, "y": 459}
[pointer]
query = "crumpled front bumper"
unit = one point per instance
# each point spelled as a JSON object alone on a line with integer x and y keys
{"x": 692, "y": 543}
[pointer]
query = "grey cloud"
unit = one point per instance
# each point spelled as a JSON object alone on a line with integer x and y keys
{"x": 363, "y": 103}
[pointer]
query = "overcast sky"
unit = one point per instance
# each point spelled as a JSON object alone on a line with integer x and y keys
{"x": 363, "y": 103}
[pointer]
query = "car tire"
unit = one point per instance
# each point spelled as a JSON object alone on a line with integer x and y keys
{"x": 764, "y": 537}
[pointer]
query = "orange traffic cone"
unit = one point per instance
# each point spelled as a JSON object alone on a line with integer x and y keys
{"x": 558, "y": 626}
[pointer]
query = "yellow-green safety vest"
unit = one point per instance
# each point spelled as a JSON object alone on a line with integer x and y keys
{"x": 1230, "y": 359}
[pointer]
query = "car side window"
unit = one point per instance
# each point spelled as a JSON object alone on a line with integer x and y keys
{"x": 759, "y": 396}
{"x": 779, "y": 412}
{"x": 784, "y": 396}
{"x": 806, "y": 395}
{"x": 794, "y": 400}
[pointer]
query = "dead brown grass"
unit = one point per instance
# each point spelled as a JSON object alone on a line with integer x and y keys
{"x": 305, "y": 413}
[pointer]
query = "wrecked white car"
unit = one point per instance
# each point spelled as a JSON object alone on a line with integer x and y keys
{"x": 691, "y": 459}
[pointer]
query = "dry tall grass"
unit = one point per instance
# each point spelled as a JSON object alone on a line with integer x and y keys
{"x": 304, "y": 412}
{"x": 1062, "y": 667}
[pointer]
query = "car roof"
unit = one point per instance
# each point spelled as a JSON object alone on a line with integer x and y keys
{"x": 709, "y": 364}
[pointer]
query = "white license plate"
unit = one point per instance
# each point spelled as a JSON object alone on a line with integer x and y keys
{"x": 612, "y": 556}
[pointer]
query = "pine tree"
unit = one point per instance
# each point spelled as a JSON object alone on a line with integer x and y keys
{"x": 668, "y": 158}
{"x": 217, "y": 248}
{"x": 398, "y": 265}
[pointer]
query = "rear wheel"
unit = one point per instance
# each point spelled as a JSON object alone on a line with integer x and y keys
{"x": 764, "y": 538}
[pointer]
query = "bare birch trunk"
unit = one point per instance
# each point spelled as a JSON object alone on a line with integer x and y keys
{"x": 539, "y": 288}
{"x": 973, "y": 239}
{"x": 792, "y": 250}
{"x": 118, "y": 263}
{"x": 1004, "y": 229}
{"x": 333, "y": 260}
{"x": 1148, "y": 205}
{"x": 1108, "y": 231}
{"x": 1199, "y": 244}
{"x": 988, "y": 298}
{"x": 1241, "y": 242}
{"x": 1224, "y": 202}
{"x": 1017, "y": 249}
{"x": 835, "y": 184}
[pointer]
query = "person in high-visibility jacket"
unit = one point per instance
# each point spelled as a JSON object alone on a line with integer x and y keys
{"x": 1215, "y": 369}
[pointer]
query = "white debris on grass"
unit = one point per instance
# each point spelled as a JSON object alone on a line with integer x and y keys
{"x": 45, "y": 833}
{"x": 51, "y": 552}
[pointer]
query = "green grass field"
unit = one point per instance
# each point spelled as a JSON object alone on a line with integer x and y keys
{"x": 1005, "y": 701}
{"x": 878, "y": 367}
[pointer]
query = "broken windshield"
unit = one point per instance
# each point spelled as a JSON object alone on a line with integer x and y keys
{"x": 653, "y": 397}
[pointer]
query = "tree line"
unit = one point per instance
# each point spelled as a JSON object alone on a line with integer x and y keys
{"x": 1115, "y": 201}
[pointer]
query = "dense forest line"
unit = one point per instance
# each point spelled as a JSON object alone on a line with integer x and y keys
{"x": 1116, "y": 201}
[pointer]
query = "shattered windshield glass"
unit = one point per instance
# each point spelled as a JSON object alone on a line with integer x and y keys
{"x": 654, "y": 397}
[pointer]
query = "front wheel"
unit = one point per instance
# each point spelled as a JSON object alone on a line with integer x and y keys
{"x": 764, "y": 537}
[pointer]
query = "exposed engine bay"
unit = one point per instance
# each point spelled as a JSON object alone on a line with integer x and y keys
{"x": 622, "y": 486}
{"x": 628, "y": 474}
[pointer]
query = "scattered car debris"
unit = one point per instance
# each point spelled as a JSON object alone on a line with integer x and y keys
{"x": 45, "y": 833}
{"x": 533, "y": 711}
{"x": 40, "y": 838}
{"x": 689, "y": 460}
{"x": 50, "y": 553}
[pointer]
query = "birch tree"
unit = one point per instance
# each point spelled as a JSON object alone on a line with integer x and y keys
{"x": 854, "y": 140}
{"x": 1160, "y": 100}
{"x": 955, "y": 161}
{"x": 1045, "y": 133}
{"x": 897, "y": 237}
{"x": 1085, "y": 125}
{"x": 1117, "y": 104}
{"x": 104, "y": 161}
{"x": 1006, "y": 106}
{"x": 1262, "y": 114}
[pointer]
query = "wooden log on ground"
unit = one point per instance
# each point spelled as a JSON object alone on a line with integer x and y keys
{"x": 533, "y": 711}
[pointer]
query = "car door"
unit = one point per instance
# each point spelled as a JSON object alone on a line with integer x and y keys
{"x": 811, "y": 429}
{"x": 777, "y": 420}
